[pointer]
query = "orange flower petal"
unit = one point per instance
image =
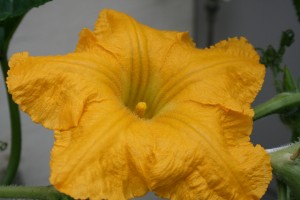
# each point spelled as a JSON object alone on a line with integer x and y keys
{"x": 204, "y": 152}
{"x": 54, "y": 90}
{"x": 92, "y": 160}
{"x": 194, "y": 152}
{"x": 228, "y": 74}
{"x": 189, "y": 139}
{"x": 136, "y": 46}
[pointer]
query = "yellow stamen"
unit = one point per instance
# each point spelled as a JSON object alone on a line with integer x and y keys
{"x": 140, "y": 109}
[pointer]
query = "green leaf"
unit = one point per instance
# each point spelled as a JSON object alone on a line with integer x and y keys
{"x": 297, "y": 7}
{"x": 11, "y": 14}
{"x": 272, "y": 58}
{"x": 288, "y": 81}
{"x": 287, "y": 39}
{"x": 14, "y": 8}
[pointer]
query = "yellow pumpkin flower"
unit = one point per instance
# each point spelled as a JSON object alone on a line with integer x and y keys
{"x": 135, "y": 109}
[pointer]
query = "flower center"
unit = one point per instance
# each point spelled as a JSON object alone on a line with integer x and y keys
{"x": 140, "y": 109}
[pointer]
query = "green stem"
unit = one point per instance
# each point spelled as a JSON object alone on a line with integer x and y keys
{"x": 15, "y": 122}
{"x": 282, "y": 190}
{"x": 276, "y": 104}
{"x": 285, "y": 164}
{"x": 25, "y": 192}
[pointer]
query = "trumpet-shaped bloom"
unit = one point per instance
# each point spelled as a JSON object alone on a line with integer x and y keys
{"x": 135, "y": 109}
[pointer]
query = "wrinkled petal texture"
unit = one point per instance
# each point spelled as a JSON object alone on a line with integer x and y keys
{"x": 193, "y": 142}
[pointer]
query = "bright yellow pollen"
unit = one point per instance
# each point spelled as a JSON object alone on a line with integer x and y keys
{"x": 140, "y": 109}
